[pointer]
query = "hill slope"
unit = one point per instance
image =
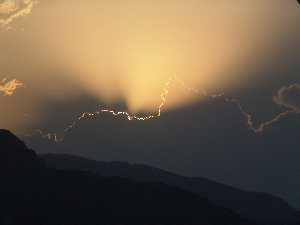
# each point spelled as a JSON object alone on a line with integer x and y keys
{"x": 261, "y": 207}
{"x": 32, "y": 194}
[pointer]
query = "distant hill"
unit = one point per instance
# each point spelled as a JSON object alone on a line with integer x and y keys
{"x": 260, "y": 207}
{"x": 32, "y": 194}
{"x": 207, "y": 138}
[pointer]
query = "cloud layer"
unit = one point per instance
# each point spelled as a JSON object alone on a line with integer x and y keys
{"x": 11, "y": 10}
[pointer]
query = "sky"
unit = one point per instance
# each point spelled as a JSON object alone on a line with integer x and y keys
{"x": 60, "y": 59}
{"x": 127, "y": 50}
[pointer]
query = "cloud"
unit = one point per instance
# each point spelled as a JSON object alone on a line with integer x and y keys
{"x": 7, "y": 88}
{"x": 11, "y": 10}
{"x": 289, "y": 97}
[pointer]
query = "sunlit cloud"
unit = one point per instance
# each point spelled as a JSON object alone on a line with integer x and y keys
{"x": 8, "y": 87}
{"x": 11, "y": 10}
{"x": 287, "y": 97}
{"x": 291, "y": 106}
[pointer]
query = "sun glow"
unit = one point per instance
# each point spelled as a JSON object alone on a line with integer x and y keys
{"x": 125, "y": 51}
{"x": 128, "y": 49}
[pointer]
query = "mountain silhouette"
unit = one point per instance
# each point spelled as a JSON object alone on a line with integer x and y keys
{"x": 260, "y": 207}
{"x": 207, "y": 138}
{"x": 31, "y": 193}
{"x": 15, "y": 156}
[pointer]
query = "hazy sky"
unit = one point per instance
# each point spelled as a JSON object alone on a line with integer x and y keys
{"x": 128, "y": 49}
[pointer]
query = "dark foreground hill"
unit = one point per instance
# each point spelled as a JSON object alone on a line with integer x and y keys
{"x": 32, "y": 194}
{"x": 260, "y": 207}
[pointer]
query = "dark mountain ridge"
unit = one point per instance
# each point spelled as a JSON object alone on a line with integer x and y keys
{"x": 260, "y": 207}
{"x": 34, "y": 194}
